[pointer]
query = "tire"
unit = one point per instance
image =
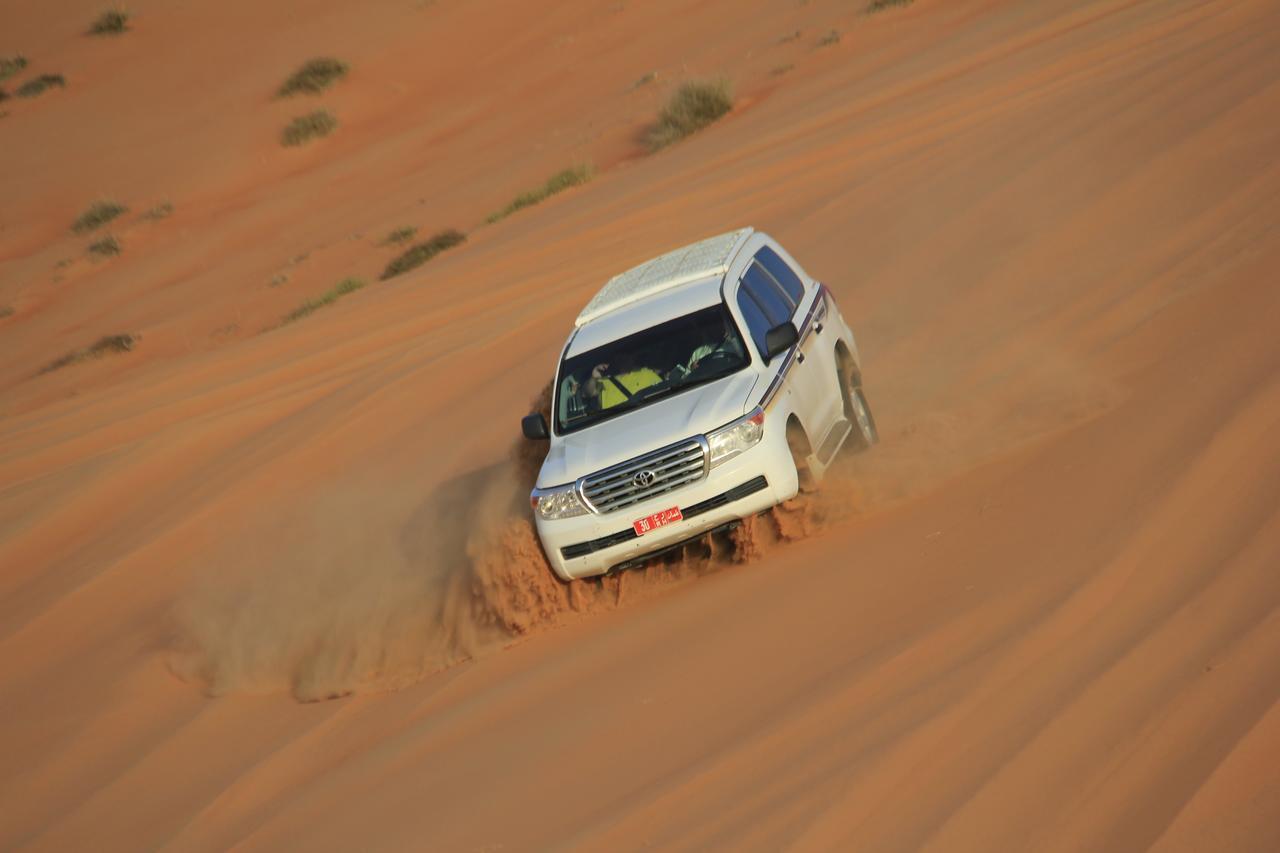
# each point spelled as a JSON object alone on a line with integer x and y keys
{"x": 865, "y": 434}
{"x": 798, "y": 444}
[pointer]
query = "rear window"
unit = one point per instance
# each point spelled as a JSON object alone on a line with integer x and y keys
{"x": 776, "y": 303}
{"x": 757, "y": 323}
{"x": 782, "y": 273}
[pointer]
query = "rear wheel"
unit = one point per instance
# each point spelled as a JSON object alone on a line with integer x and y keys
{"x": 864, "y": 423}
{"x": 856, "y": 409}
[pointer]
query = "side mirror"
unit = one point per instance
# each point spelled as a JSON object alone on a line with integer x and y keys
{"x": 534, "y": 426}
{"x": 779, "y": 339}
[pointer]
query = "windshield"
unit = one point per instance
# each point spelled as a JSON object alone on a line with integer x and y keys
{"x": 636, "y": 370}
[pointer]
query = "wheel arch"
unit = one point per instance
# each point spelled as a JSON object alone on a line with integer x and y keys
{"x": 848, "y": 364}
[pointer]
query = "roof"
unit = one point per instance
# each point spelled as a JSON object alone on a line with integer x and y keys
{"x": 690, "y": 263}
{"x": 645, "y": 314}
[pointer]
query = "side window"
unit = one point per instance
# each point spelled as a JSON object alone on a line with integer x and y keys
{"x": 782, "y": 273}
{"x": 758, "y": 324}
{"x": 775, "y": 302}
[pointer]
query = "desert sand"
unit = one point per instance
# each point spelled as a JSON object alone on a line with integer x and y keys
{"x": 273, "y": 586}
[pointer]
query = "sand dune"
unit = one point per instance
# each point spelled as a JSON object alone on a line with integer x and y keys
{"x": 1042, "y": 614}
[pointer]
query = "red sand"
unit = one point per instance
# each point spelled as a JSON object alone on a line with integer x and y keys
{"x": 1042, "y": 614}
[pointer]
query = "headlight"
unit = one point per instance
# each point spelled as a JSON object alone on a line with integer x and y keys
{"x": 743, "y": 434}
{"x": 559, "y": 502}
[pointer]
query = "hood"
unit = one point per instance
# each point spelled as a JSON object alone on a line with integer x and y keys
{"x": 666, "y": 421}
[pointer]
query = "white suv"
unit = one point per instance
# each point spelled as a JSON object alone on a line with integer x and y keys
{"x": 695, "y": 390}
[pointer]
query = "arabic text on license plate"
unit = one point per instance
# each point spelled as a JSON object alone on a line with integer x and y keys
{"x": 649, "y": 522}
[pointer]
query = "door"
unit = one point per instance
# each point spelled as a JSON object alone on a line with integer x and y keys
{"x": 770, "y": 297}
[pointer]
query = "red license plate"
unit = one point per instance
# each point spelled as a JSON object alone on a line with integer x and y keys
{"x": 650, "y": 522}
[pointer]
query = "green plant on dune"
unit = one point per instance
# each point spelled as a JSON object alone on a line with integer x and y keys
{"x": 829, "y": 39}
{"x": 303, "y": 129}
{"x": 37, "y": 85}
{"x": 416, "y": 256}
{"x": 11, "y": 65}
{"x": 112, "y": 22}
{"x": 98, "y": 214}
{"x": 339, "y": 290}
{"x": 6, "y": 311}
{"x": 313, "y": 77}
{"x": 693, "y": 106}
{"x": 559, "y": 182}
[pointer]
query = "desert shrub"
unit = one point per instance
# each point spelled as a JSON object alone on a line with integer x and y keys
{"x": 400, "y": 235}
{"x": 303, "y": 129}
{"x": 110, "y": 23}
{"x": 11, "y": 65}
{"x": 829, "y": 39}
{"x": 108, "y": 345}
{"x": 107, "y": 247}
{"x": 341, "y": 289}
{"x": 4, "y": 96}
{"x": 880, "y": 5}
{"x": 37, "y": 85}
{"x": 98, "y": 214}
{"x": 6, "y": 311}
{"x": 313, "y": 77}
{"x": 645, "y": 79}
{"x": 693, "y": 106}
{"x": 416, "y": 256}
{"x": 558, "y": 182}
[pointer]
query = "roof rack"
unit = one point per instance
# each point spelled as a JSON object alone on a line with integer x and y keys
{"x": 690, "y": 263}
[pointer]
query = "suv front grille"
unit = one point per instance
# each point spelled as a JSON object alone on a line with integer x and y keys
{"x": 646, "y": 476}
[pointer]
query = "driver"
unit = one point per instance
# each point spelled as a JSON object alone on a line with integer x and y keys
{"x": 727, "y": 344}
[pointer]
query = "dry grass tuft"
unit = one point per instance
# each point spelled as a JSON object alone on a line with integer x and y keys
{"x": 881, "y": 5}
{"x": 107, "y": 247}
{"x": 98, "y": 214}
{"x": 559, "y": 182}
{"x": 313, "y": 77}
{"x": 303, "y": 129}
{"x": 163, "y": 210}
{"x": 38, "y": 85}
{"x": 11, "y": 65}
{"x": 693, "y": 106}
{"x": 109, "y": 345}
{"x": 416, "y": 256}
{"x": 400, "y": 236}
{"x": 113, "y": 22}
{"x": 341, "y": 289}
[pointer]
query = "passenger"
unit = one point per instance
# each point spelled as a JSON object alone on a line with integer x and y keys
{"x": 606, "y": 390}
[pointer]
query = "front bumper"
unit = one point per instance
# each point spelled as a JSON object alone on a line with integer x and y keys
{"x": 748, "y": 484}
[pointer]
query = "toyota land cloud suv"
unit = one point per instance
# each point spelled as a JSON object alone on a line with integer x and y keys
{"x": 696, "y": 390}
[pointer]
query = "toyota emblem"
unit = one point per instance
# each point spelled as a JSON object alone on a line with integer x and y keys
{"x": 644, "y": 479}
